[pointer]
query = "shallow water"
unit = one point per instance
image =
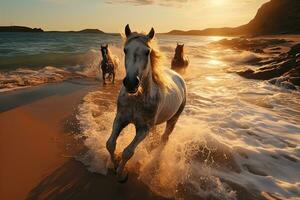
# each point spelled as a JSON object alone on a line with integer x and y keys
{"x": 232, "y": 131}
{"x": 235, "y": 135}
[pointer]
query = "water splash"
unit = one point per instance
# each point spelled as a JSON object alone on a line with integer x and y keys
{"x": 235, "y": 137}
{"x": 165, "y": 169}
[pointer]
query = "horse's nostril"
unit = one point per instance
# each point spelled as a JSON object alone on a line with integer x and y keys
{"x": 131, "y": 84}
{"x": 125, "y": 81}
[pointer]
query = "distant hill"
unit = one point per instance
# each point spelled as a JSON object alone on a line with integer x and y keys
{"x": 27, "y": 29}
{"x": 81, "y": 31}
{"x": 90, "y": 31}
{"x": 208, "y": 31}
{"x": 273, "y": 17}
{"x": 19, "y": 29}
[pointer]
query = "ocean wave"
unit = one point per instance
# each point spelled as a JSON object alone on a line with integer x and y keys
{"x": 28, "y": 71}
{"x": 243, "y": 57}
{"x": 168, "y": 171}
{"x": 210, "y": 154}
{"x": 235, "y": 138}
{"x": 50, "y": 59}
{"x": 24, "y": 78}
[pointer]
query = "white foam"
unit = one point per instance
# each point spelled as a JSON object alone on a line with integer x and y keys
{"x": 163, "y": 169}
{"x": 248, "y": 132}
{"x": 241, "y": 58}
{"x": 25, "y": 77}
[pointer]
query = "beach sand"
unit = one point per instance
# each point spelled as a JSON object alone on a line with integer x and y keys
{"x": 37, "y": 146}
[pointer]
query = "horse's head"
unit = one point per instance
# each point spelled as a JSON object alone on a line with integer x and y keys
{"x": 179, "y": 50}
{"x": 104, "y": 51}
{"x": 137, "y": 55}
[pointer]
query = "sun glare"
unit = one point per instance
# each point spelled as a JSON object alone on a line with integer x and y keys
{"x": 218, "y": 2}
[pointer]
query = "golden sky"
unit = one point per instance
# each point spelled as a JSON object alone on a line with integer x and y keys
{"x": 113, "y": 15}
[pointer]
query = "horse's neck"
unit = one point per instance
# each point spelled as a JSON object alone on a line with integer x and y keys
{"x": 179, "y": 55}
{"x": 107, "y": 58}
{"x": 148, "y": 84}
{"x": 104, "y": 58}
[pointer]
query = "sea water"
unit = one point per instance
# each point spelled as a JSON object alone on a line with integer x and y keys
{"x": 234, "y": 135}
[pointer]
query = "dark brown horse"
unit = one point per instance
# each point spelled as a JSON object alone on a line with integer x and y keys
{"x": 180, "y": 62}
{"x": 108, "y": 64}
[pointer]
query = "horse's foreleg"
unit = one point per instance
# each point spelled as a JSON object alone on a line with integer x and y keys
{"x": 118, "y": 126}
{"x": 171, "y": 124}
{"x": 141, "y": 133}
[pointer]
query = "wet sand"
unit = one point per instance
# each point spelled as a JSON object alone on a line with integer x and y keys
{"x": 37, "y": 146}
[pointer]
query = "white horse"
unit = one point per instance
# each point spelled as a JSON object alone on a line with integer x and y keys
{"x": 150, "y": 95}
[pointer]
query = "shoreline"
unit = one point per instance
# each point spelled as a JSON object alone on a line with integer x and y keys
{"x": 37, "y": 147}
{"x": 32, "y": 134}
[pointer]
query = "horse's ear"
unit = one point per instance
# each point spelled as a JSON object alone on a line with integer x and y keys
{"x": 106, "y": 46}
{"x": 127, "y": 30}
{"x": 151, "y": 34}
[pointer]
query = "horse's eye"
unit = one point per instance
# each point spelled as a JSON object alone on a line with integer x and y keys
{"x": 125, "y": 51}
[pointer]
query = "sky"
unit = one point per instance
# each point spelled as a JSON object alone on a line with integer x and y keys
{"x": 113, "y": 15}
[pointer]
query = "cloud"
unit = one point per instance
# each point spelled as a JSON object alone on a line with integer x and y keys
{"x": 151, "y": 2}
{"x": 178, "y": 3}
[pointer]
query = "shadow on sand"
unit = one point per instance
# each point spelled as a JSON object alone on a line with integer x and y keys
{"x": 73, "y": 181}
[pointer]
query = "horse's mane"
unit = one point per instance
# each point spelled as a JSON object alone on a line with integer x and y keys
{"x": 112, "y": 58}
{"x": 109, "y": 54}
{"x": 159, "y": 75}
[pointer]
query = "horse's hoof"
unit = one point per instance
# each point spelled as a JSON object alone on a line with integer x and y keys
{"x": 123, "y": 178}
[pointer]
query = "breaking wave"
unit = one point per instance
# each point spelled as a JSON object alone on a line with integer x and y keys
{"x": 32, "y": 70}
{"x": 235, "y": 138}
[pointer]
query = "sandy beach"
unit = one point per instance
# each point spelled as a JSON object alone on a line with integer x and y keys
{"x": 37, "y": 127}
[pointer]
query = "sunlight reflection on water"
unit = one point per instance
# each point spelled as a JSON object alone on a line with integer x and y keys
{"x": 232, "y": 130}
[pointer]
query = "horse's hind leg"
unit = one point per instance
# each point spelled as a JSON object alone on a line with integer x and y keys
{"x": 171, "y": 124}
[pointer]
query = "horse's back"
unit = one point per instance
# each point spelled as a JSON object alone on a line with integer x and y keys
{"x": 172, "y": 99}
{"x": 178, "y": 80}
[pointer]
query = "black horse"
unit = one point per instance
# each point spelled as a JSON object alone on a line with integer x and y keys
{"x": 108, "y": 65}
{"x": 180, "y": 62}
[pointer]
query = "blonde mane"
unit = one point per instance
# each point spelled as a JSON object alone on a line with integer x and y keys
{"x": 109, "y": 54}
{"x": 111, "y": 57}
{"x": 159, "y": 75}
